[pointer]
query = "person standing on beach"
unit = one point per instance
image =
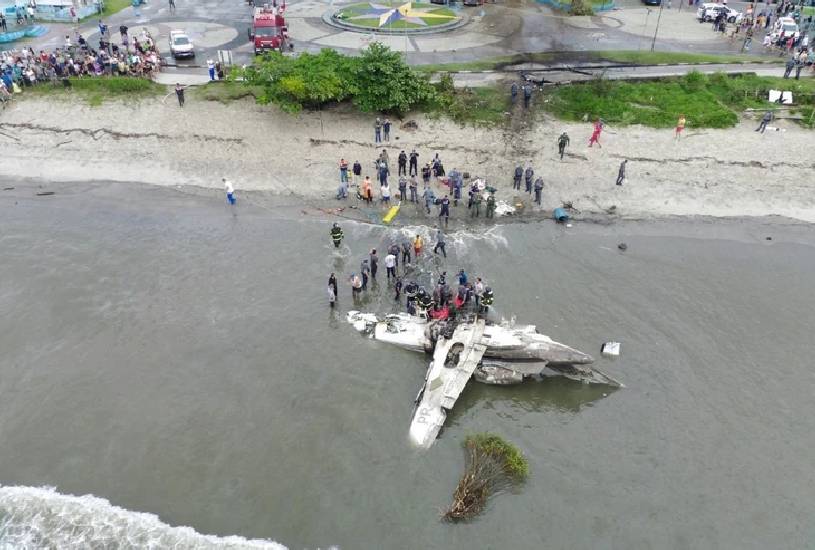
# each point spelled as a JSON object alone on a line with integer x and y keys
{"x": 403, "y": 188}
{"x": 595, "y": 135}
{"x": 768, "y": 116}
{"x": 356, "y": 170}
{"x": 516, "y": 180}
{"x": 386, "y": 127}
{"x": 562, "y": 143}
{"x": 414, "y": 163}
{"x": 444, "y": 209}
{"x": 621, "y": 172}
{"x": 680, "y": 125}
{"x": 377, "y": 130}
{"x": 528, "y": 177}
{"x": 538, "y": 189}
{"x": 172, "y": 10}
{"x": 413, "y": 188}
{"x": 402, "y": 161}
{"x": 230, "y": 191}
{"x": 527, "y": 95}
{"x": 179, "y": 92}
{"x": 211, "y": 69}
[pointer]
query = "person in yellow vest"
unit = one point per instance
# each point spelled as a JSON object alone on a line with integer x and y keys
{"x": 418, "y": 244}
{"x": 680, "y": 125}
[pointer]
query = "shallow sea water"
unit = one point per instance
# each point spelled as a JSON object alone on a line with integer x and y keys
{"x": 178, "y": 358}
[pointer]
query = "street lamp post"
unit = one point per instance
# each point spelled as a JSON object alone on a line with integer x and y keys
{"x": 656, "y": 30}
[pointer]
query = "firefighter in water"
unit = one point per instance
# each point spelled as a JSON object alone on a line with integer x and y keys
{"x": 336, "y": 235}
{"x": 486, "y": 300}
{"x": 423, "y": 300}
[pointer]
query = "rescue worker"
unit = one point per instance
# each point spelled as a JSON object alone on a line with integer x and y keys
{"x": 528, "y": 177}
{"x": 398, "y": 288}
{"x": 402, "y": 163}
{"x": 383, "y": 173}
{"x": 356, "y": 170}
{"x": 423, "y": 300}
{"x": 413, "y": 185}
{"x": 444, "y": 211}
{"x": 516, "y": 181}
{"x": 486, "y": 300}
{"x": 406, "y": 253}
{"x": 336, "y": 235}
{"x": 429, "y": 198}
{"x": 562, "y": 143}
{"x": 410, "y": 296}
{"x": 476, "y": 207}
{"x": 538, "y": 189}
{"x": 418, "y": 244}
{"x": 413, "y": 163}
{"x": 440, "y": 245}
{"x": 491, "y": 205}
{"x": 402, "y": 187}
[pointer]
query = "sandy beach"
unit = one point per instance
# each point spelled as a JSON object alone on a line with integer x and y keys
{"x": 736, "y": 172}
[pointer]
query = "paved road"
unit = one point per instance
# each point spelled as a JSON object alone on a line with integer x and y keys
{"x": 498, "y": 29}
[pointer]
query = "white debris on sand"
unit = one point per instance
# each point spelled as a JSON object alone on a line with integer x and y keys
{"x": 735, "y": 172}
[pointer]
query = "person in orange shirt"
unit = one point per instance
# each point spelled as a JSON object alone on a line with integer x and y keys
{"x": 418, "y": 244}
{"x": 680, "y": 125}
{"x": 367, "y": 193}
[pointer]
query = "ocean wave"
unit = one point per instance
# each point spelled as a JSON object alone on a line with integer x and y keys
{"x": 33, "y": 518}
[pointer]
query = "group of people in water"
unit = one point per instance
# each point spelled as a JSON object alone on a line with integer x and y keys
{"x": 438, "y": 303}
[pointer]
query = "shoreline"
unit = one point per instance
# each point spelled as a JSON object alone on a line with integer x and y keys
{"x": 260, "y": 148}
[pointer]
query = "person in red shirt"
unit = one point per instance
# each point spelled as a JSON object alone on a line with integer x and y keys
{"x": 595, "y": 135}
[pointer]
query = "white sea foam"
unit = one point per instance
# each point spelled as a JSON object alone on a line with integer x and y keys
{"x": 33, "y": 518}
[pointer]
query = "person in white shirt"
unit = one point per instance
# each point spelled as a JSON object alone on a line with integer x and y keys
{"x": 230, "y": 191}
{"x": 390, "y": 265}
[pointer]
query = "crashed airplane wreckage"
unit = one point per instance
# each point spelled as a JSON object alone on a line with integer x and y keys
{"x": 491, "y": 353}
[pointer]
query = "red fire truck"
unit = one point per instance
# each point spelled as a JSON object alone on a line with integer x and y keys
{"x": 269, "y": 30}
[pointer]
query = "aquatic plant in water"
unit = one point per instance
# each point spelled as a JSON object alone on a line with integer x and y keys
{"x": 492, "y": 465}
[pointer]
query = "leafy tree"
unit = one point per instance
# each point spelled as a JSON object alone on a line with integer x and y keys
{"x": 386, "y": 83}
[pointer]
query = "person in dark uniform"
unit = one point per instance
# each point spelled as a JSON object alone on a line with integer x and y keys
{"x": 336, "y": 235}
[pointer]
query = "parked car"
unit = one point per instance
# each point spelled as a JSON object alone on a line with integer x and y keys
{"x": 652, "y": 2}
{"x": 709, "y": 12}
{"x": 785, "y": 25}
{"x": 181, "y": 45}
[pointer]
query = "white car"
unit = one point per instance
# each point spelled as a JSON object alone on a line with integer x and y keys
{"x": 786, "y": 25}
{"x": 181, "y": 45}
{"x": 709, "y": 11}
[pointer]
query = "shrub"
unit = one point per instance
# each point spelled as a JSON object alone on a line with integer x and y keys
{"x": 492, "y": 465}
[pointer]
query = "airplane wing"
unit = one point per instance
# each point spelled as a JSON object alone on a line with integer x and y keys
{"x": 454, "y": 361}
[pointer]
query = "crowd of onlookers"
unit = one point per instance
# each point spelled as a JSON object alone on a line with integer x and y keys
{"x": 135, "y": 55}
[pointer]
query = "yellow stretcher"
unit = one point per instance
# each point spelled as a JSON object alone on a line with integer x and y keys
{"x": 392, "y": 212}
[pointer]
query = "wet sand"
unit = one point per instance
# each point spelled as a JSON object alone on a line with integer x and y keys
{"x": 725, "y": 173}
